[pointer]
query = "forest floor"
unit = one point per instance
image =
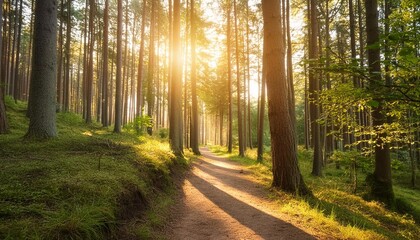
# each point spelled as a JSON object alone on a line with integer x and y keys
{"x": 222, "y": 200}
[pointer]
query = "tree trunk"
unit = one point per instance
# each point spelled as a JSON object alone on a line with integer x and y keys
{"x": 329, "y": 138}
{"x": 67, "y": 79}
{"x": 175, "y": 130}
{"x": 381, "y": 180}
{"x": 194, "y": 111}
{"x": 42, "y": 122}
{"x": 89, "y": 77}
{"x": 140, "y": 66}
{"x": 60, "y": 58}
{"x": 261, "y": 113}
{"x": 238, "y": 86}
{"x": 150, "y": 79}
{"x": 290, "y": 67}
{"x": 4, "y": 49}
{"x": 18, "y": 81}
{"x": 286, "y": 173}
{"x": 12, "y": 65}
{"x": 118, "y": 77}
{"x": 186, "y": 105}
{"x": 4, "y": 126}
{"x": 105, "y": 103}
{"x": 248, "y": 78}
{"x": 29, "y": 53}
{"x": 228, "y": 37}
{"x": 221, "y": 127}
{"x": 314, "y": 91}
{"x": 111, "y": 109}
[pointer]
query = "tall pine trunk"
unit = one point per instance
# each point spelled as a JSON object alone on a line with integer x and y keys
{"x": 286, "y": 173}
{"x": 194, "y": 111}
{"x": 238, "y": 86}
{"x": 150, "y": 74}
{"x": 118, "y": 77}
{"x": 4, "y": 126}
{"x": 89, "y": 77}
{"x": 42, "y": 96}
{"x": 105, "y": 107}
{"x": 261, "y": 113}
{"x": 230, "y": 114}
{"x": 381, "y": 181}
{"x": 314, "y": 91}
{"x": 140, "y": 66}
{"x": 67, "y": 80}
{"x": 60, "y": 58}
{"x": 175, "y": 118}
{"x": 18, "y": 81}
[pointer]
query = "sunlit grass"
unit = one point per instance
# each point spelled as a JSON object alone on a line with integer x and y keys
{"x": 334, "y": 212}
{"x": 82, "y": 184}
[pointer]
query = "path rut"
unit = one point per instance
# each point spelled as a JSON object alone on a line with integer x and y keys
{"x": 221, "y": 200}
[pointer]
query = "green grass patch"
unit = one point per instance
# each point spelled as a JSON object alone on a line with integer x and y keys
{"x": 85, "y": 184}
{"x": 336, "y": 211}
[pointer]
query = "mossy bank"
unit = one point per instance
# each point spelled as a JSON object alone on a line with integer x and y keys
{"x": 87, "y": 183}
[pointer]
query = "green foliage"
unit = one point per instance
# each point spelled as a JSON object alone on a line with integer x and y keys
{"x": 163, "y": 133}
{"x": 352, "y": 157}
{"x": 403, "y": 40}
{"x": 80, "y": 185}
{"x": 140, "y": 124}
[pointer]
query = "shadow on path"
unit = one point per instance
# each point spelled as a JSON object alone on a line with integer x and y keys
{"x": 266, "y": 226}
{"x": 211, "y": 210}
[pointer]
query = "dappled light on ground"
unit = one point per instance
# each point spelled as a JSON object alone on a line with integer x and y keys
{"x": 222, "y": 201}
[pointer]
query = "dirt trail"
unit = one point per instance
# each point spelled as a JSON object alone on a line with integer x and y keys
{"x": 222, "y": 201}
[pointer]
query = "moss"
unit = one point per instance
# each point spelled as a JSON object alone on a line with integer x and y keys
{"x": 84, "y": 184}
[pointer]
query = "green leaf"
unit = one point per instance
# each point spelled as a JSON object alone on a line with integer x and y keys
{"x": 373, "y": 103}
{"x": 376, "y": 45}
{"x": 406, "y": 51}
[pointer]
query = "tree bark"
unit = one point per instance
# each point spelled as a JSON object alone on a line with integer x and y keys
{"x": 238, "y": 86}
{"x": 286, "y": 173}
{"x": 186, "y": 116}
{"x": 261, "y": 113}
{"x": 67, "y": 80}
{"x": 194, "y": 111}
{"x": 230, "y": 114}
{"x": 290, "y": 67}
{"x": 381, "y": 179}
{"x": 18, "y": 81}
{"x": 140, "y": 66}
{"x": 314, "y": 91}
{"x": 150, "y": 79}
{"x": 89, "y": 77}
{"x": 125, "y": 66}
{"x": 118, "y": 80}
{"x": 42, "y": 122}
{"x": 105, "y": 108}
{"x": 329, "y": 138}
{"x": 4, "y": 126}
{"x": 248, "y": 79}
{"x": 175, "y": 130}
{"x": 60, "y": 58}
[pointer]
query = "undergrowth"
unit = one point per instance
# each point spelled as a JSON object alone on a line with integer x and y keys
{"x": 87, "y": 183}
{"x": 336, "y": 211}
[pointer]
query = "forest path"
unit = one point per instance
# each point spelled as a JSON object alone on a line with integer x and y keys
{"x": 221, "y": 200}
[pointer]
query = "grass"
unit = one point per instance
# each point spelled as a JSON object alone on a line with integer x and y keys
{"x": 335, "y": 211}
{"x": 87, "y": 183}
